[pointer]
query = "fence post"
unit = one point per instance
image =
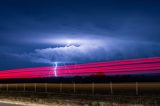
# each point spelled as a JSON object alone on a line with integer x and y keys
{"x": 16, "y": 86}
{"x": 46, "y": 87}
{"x": 111, "y": 88}
{"x": 93, "y": 88}
{"x": 7, "y": 87}
{"x": 106, "y": 87}
{"x": 60, "y": 87}
{"x": 136, "y": 88}
{"x": 24, "y": 87}
{"x": 74, "y": 87}
{"x": 35, "y": 87}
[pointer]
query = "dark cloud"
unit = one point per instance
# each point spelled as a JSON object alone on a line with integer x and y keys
{"x": 127, "y": 29}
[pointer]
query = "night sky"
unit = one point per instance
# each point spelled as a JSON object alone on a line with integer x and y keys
{"x": 40, "y": 32}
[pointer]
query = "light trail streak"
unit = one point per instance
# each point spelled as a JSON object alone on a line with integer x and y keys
{"x": 118, "y": 67}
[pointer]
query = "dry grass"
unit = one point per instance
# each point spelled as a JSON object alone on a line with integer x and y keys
{"x": 37, "y": 99}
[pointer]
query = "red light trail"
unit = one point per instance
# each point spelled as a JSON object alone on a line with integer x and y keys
{"x": 118, "y": 67}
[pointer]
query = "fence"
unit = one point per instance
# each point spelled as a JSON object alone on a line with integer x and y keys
{"x": 90, "y": 88}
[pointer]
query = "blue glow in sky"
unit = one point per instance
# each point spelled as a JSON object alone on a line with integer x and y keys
{"x": 40, "y": 32}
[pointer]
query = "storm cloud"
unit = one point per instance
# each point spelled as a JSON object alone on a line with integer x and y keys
{"x": 35, "y": 33}
{"x": 92, "y": 52}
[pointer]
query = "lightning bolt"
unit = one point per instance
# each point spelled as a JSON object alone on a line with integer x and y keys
{"x": 55, "y": 69}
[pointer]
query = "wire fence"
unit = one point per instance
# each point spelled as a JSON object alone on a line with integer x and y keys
{"x": 89, "y": 88}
